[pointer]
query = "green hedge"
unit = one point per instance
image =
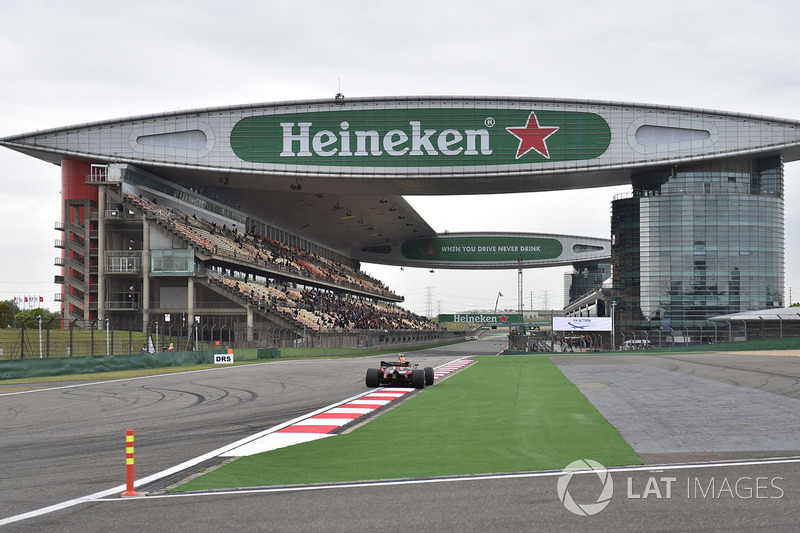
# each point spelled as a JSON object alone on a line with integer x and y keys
{"x": 269, "y": 353}
{"x": 62, "y": 366}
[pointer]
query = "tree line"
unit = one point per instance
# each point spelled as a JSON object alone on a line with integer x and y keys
{"x": 11, "y": 316}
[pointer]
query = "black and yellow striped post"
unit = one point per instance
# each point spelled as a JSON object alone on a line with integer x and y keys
{"x": 129, "y": 465}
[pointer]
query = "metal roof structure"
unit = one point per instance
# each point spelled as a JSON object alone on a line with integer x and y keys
{"x": 335, "y": 171}
{"x": 789, "y": 314}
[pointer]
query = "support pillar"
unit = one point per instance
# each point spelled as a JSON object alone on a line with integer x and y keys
{"x": 189, "y": 304}
{"x": 249, "y": 323}
{"x": 101, "y": 252}
{"x": 145, "y": 273}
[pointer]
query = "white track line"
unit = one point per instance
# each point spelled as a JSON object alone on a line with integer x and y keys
{"x": 477, "y": 477}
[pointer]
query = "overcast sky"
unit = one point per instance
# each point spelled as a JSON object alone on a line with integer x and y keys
{"x": 65, "y": 63}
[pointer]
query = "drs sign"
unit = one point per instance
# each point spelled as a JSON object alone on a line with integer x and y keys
{"x": 223, "y": 358}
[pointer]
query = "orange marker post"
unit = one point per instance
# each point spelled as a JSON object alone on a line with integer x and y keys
{"x": 129, "y": 465}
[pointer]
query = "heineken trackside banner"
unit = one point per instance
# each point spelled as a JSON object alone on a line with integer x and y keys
{"x": 582, "y": 324}
{"x": 482, "y": 318}
{"x": 484, "y": 249}
{"x": 426, "y": 137}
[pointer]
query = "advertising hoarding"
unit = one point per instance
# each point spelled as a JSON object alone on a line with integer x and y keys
{"x": 581, "y": 324}
{"x": 420, "y": 137}
{"x": 481, "y": 318}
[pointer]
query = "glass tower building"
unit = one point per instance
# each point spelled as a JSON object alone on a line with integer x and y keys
{"x": 691, "y": 243}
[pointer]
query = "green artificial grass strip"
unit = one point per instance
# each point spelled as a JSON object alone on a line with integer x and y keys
{"x": 503, "y": 414}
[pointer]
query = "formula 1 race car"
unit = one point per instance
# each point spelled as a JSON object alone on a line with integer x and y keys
{"x": 401, "y": 373}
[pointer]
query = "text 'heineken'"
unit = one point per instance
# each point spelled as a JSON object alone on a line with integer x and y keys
{"x": 298, "y": 141}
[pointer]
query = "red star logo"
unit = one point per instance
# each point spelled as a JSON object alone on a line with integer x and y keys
{"x": 532, "y": 137}
{"x": 503, "y": 318}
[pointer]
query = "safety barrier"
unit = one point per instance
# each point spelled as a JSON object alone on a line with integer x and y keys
{"x": 61, "y": 366}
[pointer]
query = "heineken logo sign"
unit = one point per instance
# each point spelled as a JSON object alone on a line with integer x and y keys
{"x": 487, "y": 318}
{"x": 420, "y": 137}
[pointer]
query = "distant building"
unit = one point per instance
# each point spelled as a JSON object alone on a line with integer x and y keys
{"x": 698, "y": 241}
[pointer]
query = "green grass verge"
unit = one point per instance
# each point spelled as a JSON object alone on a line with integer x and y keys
{"x": 503, "y": 414}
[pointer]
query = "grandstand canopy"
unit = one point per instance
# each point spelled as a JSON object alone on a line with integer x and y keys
{"x": 791, "y": 314}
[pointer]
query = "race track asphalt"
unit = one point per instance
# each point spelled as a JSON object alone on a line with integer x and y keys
{"x": 68, "y": 442}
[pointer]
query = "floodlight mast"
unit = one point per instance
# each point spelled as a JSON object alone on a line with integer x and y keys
{"x": 499, "y": 294}
{"x": 520, "y": 305}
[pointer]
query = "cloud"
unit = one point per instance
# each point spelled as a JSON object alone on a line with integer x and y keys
{"x": 87, "y": 60}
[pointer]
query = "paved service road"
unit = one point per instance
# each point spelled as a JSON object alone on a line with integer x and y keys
{"x": 695, "y": 407}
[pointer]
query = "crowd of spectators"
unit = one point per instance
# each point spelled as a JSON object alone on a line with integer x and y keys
{"x": 253, "y": 247}
{"x": 317, "y": 309}
{"x": 324, "y": 310}
{"x": 338, "y": 311}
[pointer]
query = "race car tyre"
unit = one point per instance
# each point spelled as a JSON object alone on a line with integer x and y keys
{"x": 418, "y": 379}
{"x": 373, "y": 377}
{"x": 428, "y": 375}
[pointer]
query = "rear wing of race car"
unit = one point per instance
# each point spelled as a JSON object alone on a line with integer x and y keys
{"x": 395, "y": 363}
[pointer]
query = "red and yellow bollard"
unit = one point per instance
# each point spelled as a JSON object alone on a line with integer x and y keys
{"x": 129, "y": 465}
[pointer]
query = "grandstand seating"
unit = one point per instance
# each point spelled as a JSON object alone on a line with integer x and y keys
{"x": 322, "y": 310}
{"x": 316, "y": 309}
{"x": 223, "y": 241}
